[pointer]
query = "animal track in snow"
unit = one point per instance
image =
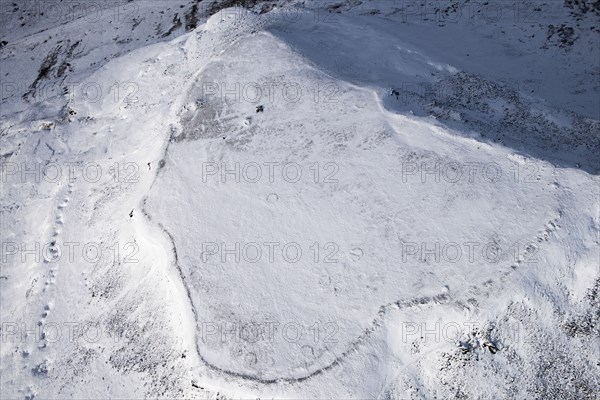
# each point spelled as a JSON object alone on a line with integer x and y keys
{"x": 52, "y": 262}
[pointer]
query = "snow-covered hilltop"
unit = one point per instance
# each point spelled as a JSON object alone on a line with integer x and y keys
{"x": 300, "y": 199}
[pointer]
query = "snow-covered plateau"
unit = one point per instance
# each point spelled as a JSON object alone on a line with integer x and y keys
{"x": 298, "y": 199}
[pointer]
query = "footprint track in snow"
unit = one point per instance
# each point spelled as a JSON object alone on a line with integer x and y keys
{"x": 52, "y": 263}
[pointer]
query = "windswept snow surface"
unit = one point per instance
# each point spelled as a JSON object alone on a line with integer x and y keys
{"x": 301, "y": 200}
